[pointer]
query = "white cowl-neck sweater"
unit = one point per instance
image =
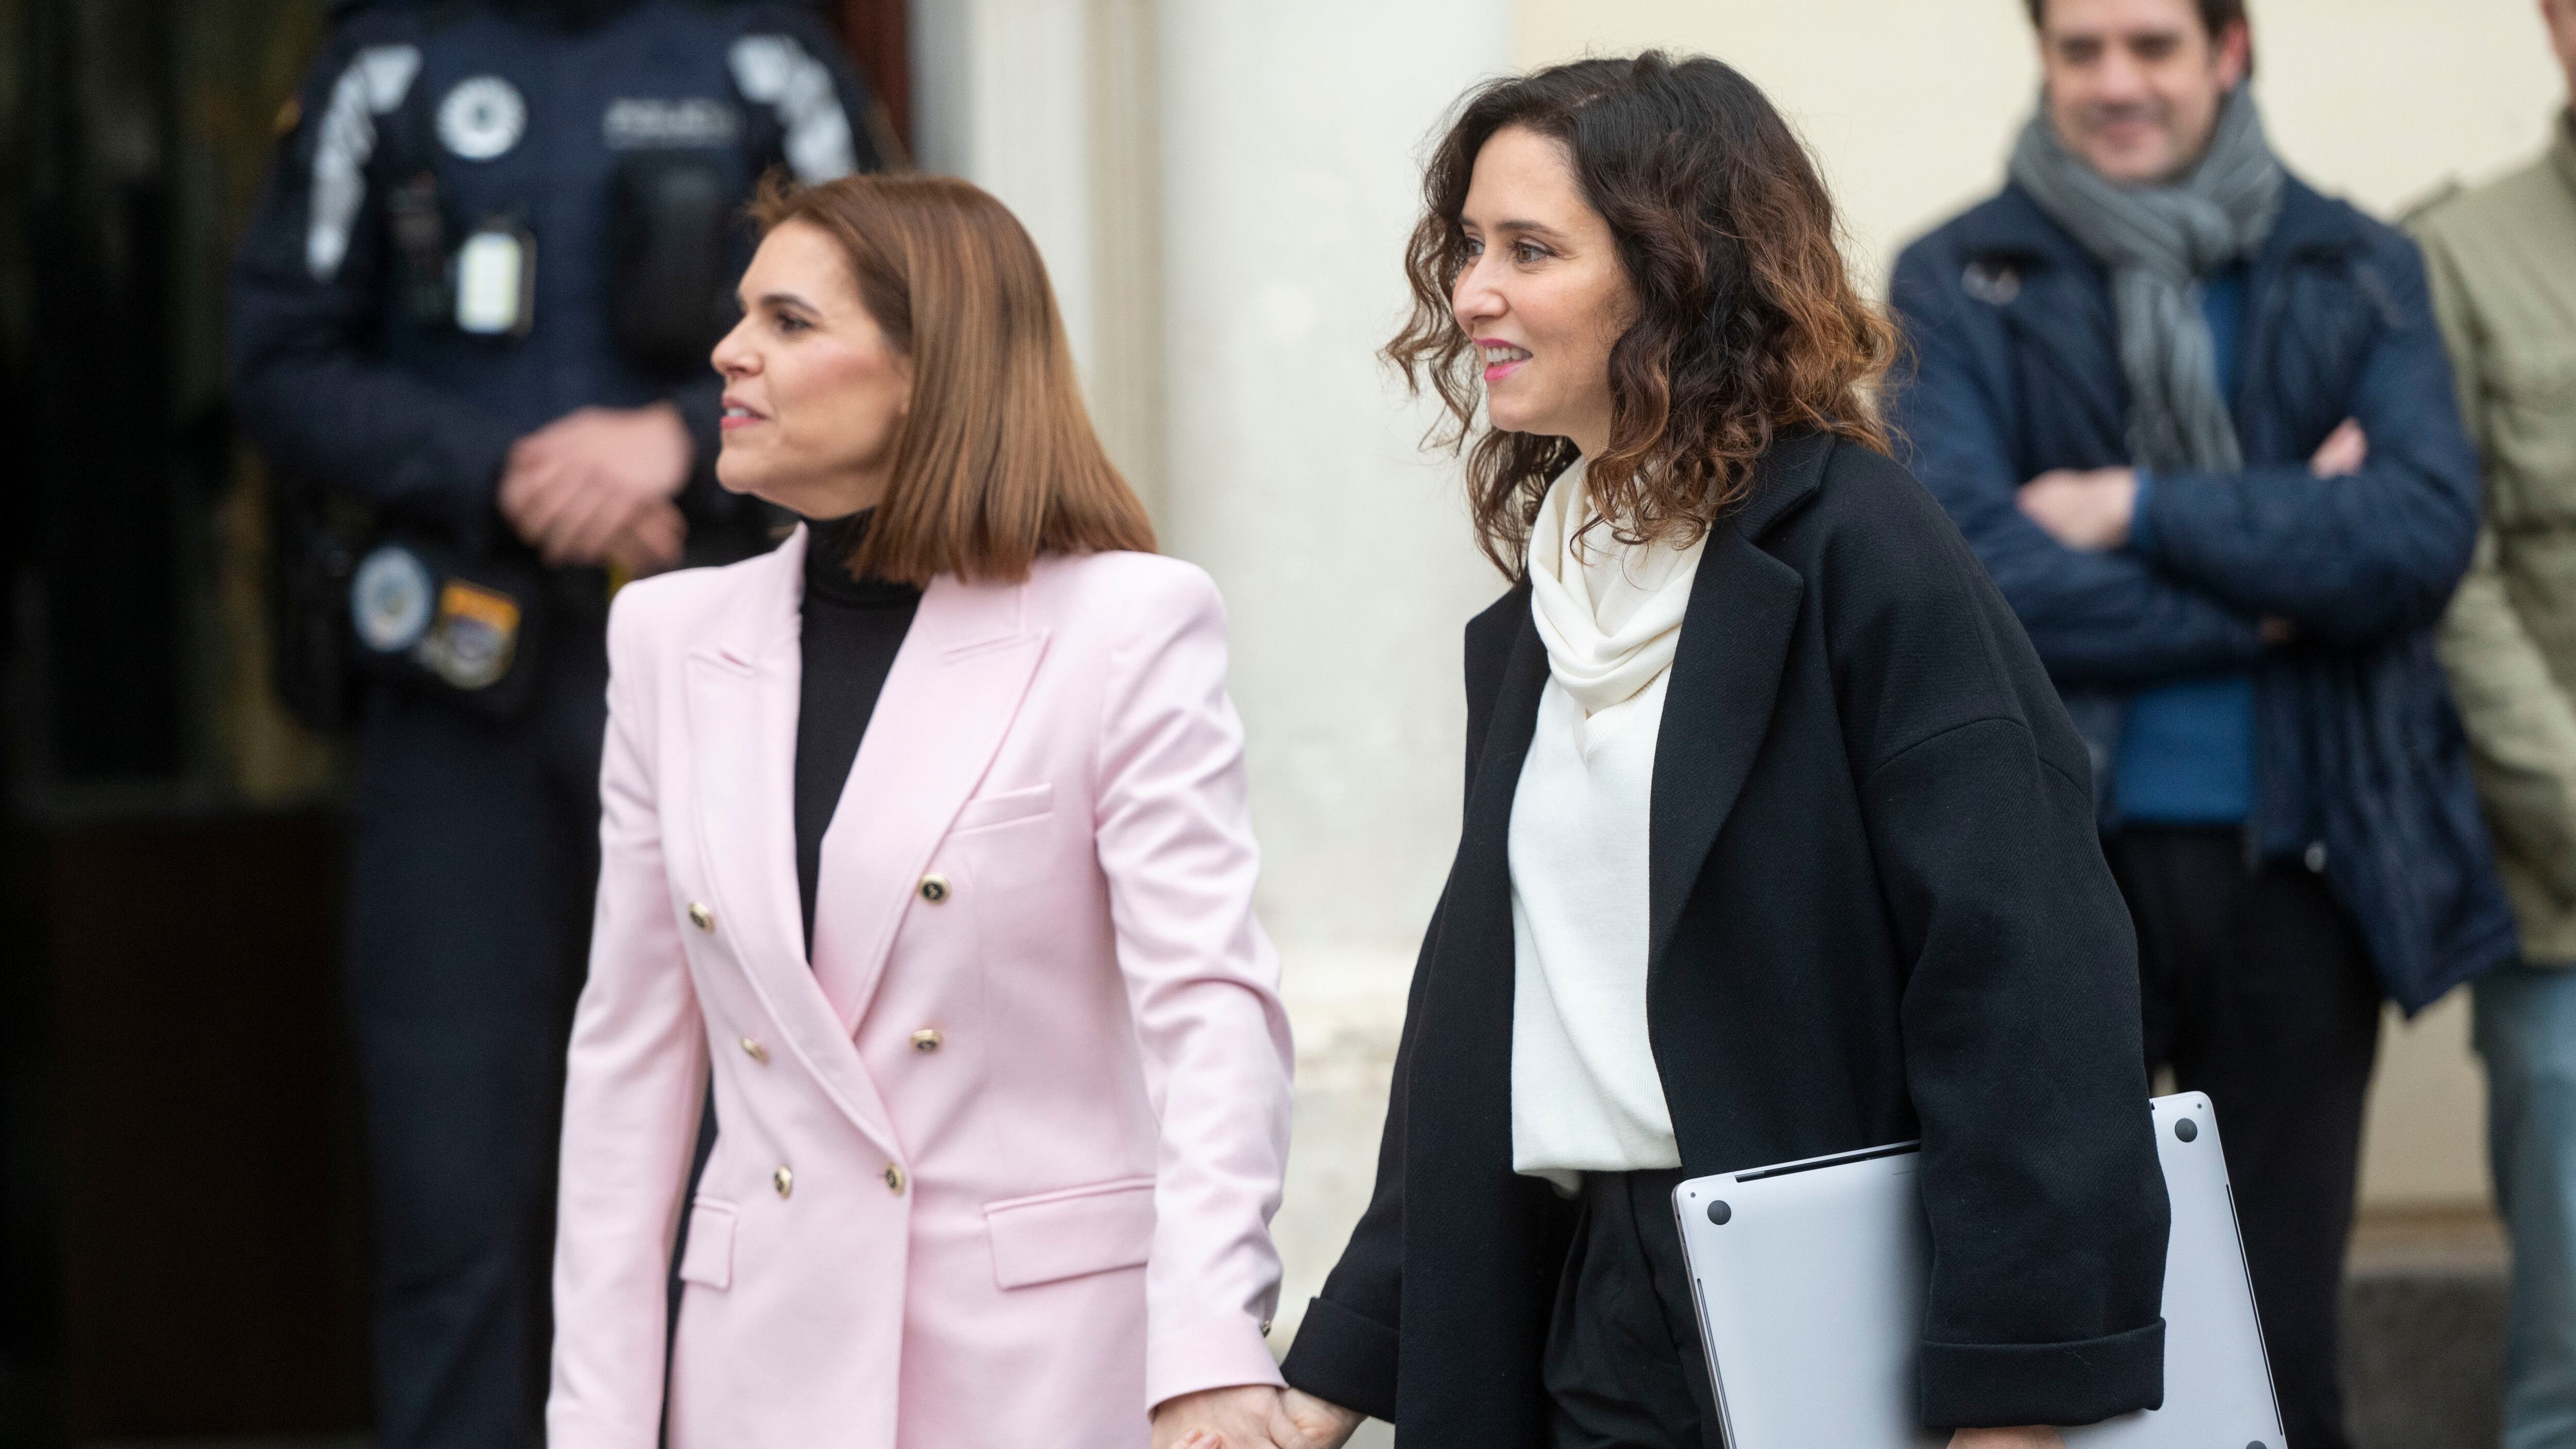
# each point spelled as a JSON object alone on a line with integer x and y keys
{"x": 1585, "y": 1094}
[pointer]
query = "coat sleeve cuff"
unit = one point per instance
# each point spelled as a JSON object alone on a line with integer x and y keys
{"x": 1344, "y": 1358}
{"x": 2012, "y": 1385}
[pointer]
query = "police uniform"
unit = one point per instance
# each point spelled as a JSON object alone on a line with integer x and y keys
{"x": 484, "y": 216}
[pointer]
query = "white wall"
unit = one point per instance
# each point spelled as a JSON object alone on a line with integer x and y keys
{"x": 1002, "y": 96}
{"x": 1050, "y": 105}
{"x": 1911, "y": 106}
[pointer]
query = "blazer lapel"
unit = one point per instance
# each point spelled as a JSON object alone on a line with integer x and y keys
{"x": 956, "y": 685}
{"x": 1485, "y": 834}
{"x": 742, "y": 725}
{"x": 1726, "y": 673}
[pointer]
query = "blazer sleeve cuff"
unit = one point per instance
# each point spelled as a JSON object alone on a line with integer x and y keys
{"x": 1214, "y": 1355}
{"x": 2010, "y": 1385}
{"x": 1344, "y": 1358}
{"x": 575, "y": 1430}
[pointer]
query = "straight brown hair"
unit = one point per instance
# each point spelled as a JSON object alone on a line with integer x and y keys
{"x": 998, "y": 463}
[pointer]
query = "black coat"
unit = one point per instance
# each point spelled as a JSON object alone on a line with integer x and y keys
{"x": 1878, "y": 911}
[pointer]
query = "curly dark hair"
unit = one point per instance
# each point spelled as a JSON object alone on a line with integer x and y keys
{"x": 1747, "y": 322}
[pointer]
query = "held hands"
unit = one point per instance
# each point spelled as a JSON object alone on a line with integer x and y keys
{"x": 595, "y": 487}
{"x": 1256, "y": 1416}
{"x": 1235, "y": 1418}
{"x": 2006, "y": 1439}
{"x": 1307, "y": 1422}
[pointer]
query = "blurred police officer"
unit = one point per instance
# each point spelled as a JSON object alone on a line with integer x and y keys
{"x": 474, "y": 307}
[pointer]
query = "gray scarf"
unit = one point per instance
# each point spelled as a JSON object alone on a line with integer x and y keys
{"x": 2158, "y": 242}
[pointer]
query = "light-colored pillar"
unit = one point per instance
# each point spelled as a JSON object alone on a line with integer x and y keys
{"x": 1002, "y": 97}
{"x": 1049, "y": 105}
{"x": 1126, "y": 381}
{"x": 1291, "y": 139}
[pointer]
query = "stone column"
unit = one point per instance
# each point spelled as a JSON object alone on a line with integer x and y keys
{"x": 1291, "y": 139}
{"x": 1049, "y": 105}
{"x": 1002, "y": 97}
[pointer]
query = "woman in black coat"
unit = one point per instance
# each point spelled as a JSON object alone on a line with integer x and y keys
{"x": 1845, "y": 889}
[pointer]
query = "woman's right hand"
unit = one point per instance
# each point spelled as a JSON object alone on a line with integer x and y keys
{"x": 1302, "y": 1421}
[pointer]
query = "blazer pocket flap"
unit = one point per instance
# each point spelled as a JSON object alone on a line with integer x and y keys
{"x": 708, "y": 1260}
{"x": 1067, "y": 1234}
{"x": 1008, "y": 806}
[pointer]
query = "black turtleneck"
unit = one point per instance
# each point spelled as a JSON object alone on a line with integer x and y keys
{"x": 851, "y": 631}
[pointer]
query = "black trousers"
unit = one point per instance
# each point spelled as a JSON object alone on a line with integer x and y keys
{"x": 1624, "y": 1368}
{"x": 2259, "y": 993}
{"x": 475, "y": 861}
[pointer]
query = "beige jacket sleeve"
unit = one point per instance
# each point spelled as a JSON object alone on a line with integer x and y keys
{"x": 2521, "y": 725}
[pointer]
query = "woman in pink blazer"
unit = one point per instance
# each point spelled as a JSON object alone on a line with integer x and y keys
{"x": 1002, "y": 1128}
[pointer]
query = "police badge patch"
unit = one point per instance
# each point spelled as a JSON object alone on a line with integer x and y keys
{"x": 409, "y": 610}
{"x": 482, "y": 117}
{"x": 389, "y": 599}
{"x": 476, "y": 638}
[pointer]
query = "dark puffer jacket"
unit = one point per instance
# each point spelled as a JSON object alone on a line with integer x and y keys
{"x": 2362, "y": 771}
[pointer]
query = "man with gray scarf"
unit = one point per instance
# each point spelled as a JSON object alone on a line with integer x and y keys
{"x": 2197, "y": 421}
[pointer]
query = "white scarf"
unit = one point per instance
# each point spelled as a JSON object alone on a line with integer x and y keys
{"x": 1610, "y": 613}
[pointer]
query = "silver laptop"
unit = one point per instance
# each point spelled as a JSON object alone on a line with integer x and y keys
{"x": 1810, "y": 1283}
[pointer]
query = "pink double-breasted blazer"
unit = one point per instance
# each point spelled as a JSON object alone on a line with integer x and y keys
{"x": 997, "y": 1167}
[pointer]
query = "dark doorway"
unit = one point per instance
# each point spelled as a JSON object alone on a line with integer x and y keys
{"x": 880, "y": 42}
{"x": 181, "y": 1214}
